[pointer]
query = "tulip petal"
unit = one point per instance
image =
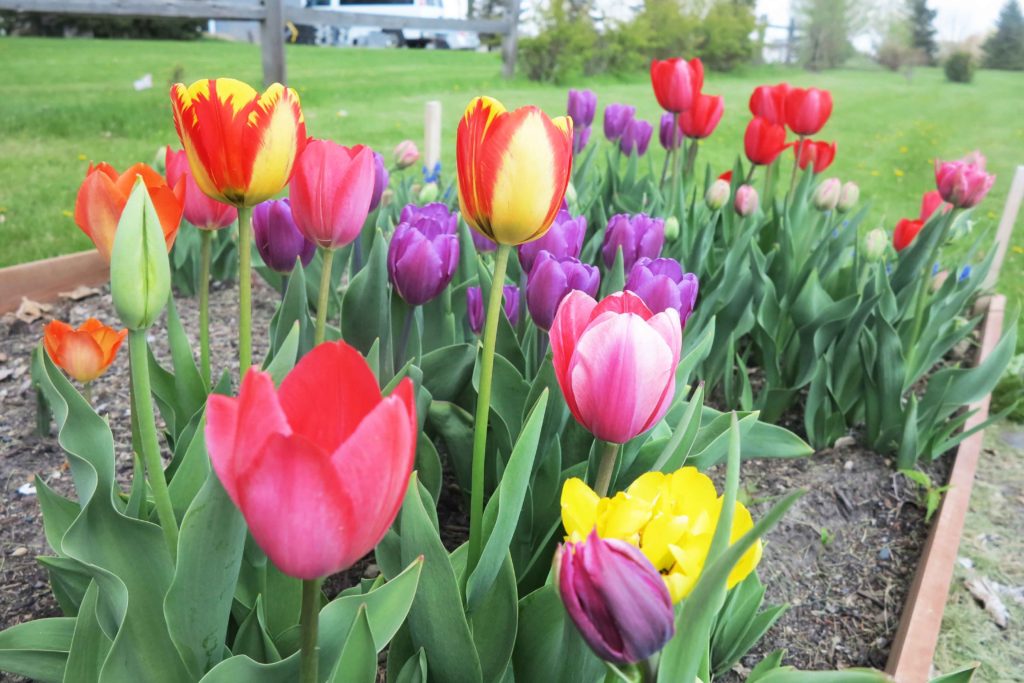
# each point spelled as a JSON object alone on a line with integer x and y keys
{"x": 275, "y": 133}
{"x": 81, "y": 356}
{"x": 474, "y": 194}
{"x": 570, "y": 320}
{"x": 579, "y": 508}
{"x": 98, "y": 208}
{"x": 667, "y": 324}
{"x": 622, "y": 302}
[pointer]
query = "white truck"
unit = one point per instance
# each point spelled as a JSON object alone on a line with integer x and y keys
{"x": 375, "y": 36}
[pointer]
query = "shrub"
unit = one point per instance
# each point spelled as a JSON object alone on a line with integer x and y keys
{"x": 959, "y": 67}
{"x": 725, "y": 36}
{"x": 563, "y": 49}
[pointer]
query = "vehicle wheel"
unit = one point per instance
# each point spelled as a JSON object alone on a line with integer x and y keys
{"x": 397, "y": 39}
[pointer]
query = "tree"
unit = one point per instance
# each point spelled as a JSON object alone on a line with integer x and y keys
{"x": 1004, "y": 49}
{"x": 725, "y": 35}
{"x": 825, "y": 30}
{"x": 922, "y": 29}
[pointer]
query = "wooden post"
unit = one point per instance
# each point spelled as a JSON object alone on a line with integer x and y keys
{"x": 431, "y": 135}
{"x": 510, "y": 43}
{"x": 1006, "y": 223}
{"x": 272, "y": 43}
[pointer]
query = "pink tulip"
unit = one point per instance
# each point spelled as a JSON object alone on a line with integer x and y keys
{"x": 963, "y": 183}
{"x": 331, "y": 191}
{"x": 319, "y": 466}
{"x": 615, "y": 362}
{"x": 201, "y": 211}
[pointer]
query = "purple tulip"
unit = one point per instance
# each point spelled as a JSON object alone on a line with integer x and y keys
{"x": 582, "y": 107}
{"x": 277, "y": 239}
{"x": 580, "y": 138}
{"x": 481, "y": 242}
{"x": 616, "y": 118}
{"x": 638, "y": 235}
{"x": 669, "y": 133}
{"x": 380, "y": 180}
{"x": 616, "y": 598}
{"x": 424, "y": 252}
{"x": 475, "y": 306}
{"x": 662, "y": 284}
{"x": 551, "y": 279}
{"x": 636, "y": 137}
{"x": 563, "y": 239}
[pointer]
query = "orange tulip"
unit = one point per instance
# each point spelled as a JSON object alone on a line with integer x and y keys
{"x": 241, "y": 145}
{"x": 103, "y": 194}
{"x": 85, "y": 353}
{"x": 514, "y": 167}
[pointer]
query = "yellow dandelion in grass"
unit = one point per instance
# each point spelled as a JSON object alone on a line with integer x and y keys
{"x": 82, "y": 157}
{"x": 876, "y": 173}
{"x": 69, "y": 214}
{"x": 992, "y": 214}
{"x": 898, "y": 172}
{"x": 904, "y": 149}
{"x": 1018, "y": 250}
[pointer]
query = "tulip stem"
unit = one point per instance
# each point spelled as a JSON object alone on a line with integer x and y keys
{"x": 483, "y": 408}
{"x": 87, "y": 393}
{"x": 403, "y": 340}
{"x": 206, "y": 243}
{"x": 677, "y": 169}
{"x": 244, "y": 290}
{"x": 327, "y": 259}
{"x": 309, "y": 620}
{"x": 142, "y": 408}
{"x": 605, "y": 467}
{"x": 796, "y": 164}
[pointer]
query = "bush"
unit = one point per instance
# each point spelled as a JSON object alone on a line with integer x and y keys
{"x": 725, "y": 36}
{"x": 959, "y": 67}
{"x": 565, "y": 47}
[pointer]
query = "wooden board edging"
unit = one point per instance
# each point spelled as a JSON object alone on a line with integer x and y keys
{"x": 44, "y": 280}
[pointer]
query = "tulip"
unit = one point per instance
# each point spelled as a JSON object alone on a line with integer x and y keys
{"x": 807, "y": 110}
{"x": 103, "y": 195}
{"x": 429, "y": 193}
{"x": 769, "y": 102}
{"x": 931, "y": 201}
{"x": 615, "y": 362}
{"x": 818, "y": 155}
{"x": 380, "y": 180}
{"x": 481, "y": 243}
{"x": 671, "y": 228}
{"x": 700, "y": 120}
{"x": 405, "y": 154}
{"x": 580, "y": 138}
{"x": 763, "y": 141}
{"x": 669, "y": 134}
{"x": 637, "y": 236}
{"x": 424, "y": 252}
{"x": 551, "y": 279}
{"x": 278, "y": 241}
{"x": 746, "y": 201}
{"x": 963, "y": 183}
{"x": 848, "y": 196}
{"x": 199, "y": 210}
{"x": 319, "y": 466}
{"x": 905, "y": 232}
{"x": 875, "y": 243}
{"x": 616, "y": 118}
{"x": 84, "y": 353}
{"x": 563, "y": 240}
{"x": 140, "y": 272}
{"x": 726, "y": 176}
{"x": 826, "y": 195}
{"x": 331, "y": 192}
{"x": 662, "y": 285}
{"x": 582, "y": 107}
{"x": 475, "y": 306}
{"x": 616, "y": 598}
{"x": 513, "y": 168}
{"x": 717, "y": 195}
{"x": 676, "y": 82}
{"x": 636, "y": 137}
{"x": 242, "y": 146}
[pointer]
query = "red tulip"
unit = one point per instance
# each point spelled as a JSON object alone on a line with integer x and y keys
{"x": 807, "y": 110}
{"x": 676, "y": 82}
{"x": 701, "y": 119}
{"x": 200, "y": 210}
{"x": 319, "y": 466}
{"x": 930, "y": 203}
{"x": 905, "y": 232}
{"x": 330, "y": 192}
{"x": 769, "y": 102}
{"x": 818, "y": 154}
{"x": 763, "y": 141}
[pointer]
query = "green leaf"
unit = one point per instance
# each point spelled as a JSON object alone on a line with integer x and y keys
{"x": 615, "y": 279}
{"x": 963, "y": 675}
{"x": 252, "y": 639}
{"x": 58, "y": 513}
{"x": 548, "y": 646}
{"x": 447, "y": 370}
{"x": 89, "y": 645}
{"x": 37, "y": 649}
{"x": 415, "y": 669}
{"x": 188, "y": 382}
{"x": 366, "y": 308}
{"x": 790, "y": 675}
{"x": 286, "y": 355}
{"x": 69, "y": 579}
{"x": 769, "y": 663}
{"x": 293, "y": 311}
{"x": 496, "y": 619}
{"x": 358, "y": 660}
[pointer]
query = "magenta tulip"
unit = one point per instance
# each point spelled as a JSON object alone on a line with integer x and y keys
{"x": 963, "y": 183}
{"x": 201, "y": 211}
{"x": 564, "y": 239}
{"x": 331, "y": 192}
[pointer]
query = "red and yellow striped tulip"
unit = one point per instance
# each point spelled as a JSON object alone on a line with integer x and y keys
{"x": 85, "y": 353}
{"x": 241, "y": 145}
{"x": 103, "y": 194}
{"x": 513, "y": 169}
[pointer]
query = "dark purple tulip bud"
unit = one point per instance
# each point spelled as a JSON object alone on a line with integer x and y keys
{"x": 669, "y": 133}
{"x": 563, "y": 239}
{"x": 638, "y": 235}
{"x": 481, "y": 242}
{"x": 475, "y": 306}
{"x": 551, "y": 279}
{"x": 616, "y": 118}
{"x": 580, "y": 138}
{"x": 380, "y": 180}
{"x": 424, "y": 252}
{"x": 277, "y": 239}
{"x": 616, "y": 598}
{"x": 636, "y": 137}
{"x": 582, "y": 107}
{"x": 662, "y": 284}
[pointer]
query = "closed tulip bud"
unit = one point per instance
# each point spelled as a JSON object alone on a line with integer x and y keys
{"x": 277, "y": 239}
{"x": 475, "y": 306}
{"x": 563, "y": 240}
{"x": 616, "y": 598}
{"x": 200, "y": 210}
{"x": 423, "y": 253}
{"x": 807, "y": 110}
{"x": 636, "y": 137}
{"x": 676, "y": 82}
{"x": 669, "y": 134}
{"x": 848, "y": 196}
{"x": 580, "y": 138}
{"x": 570, "y": 196}
{"x": 85, "y": 353}
{"x": 582, "y": 107}
{"x": 826, "y": 195}
{"x": 816, "y": 154}
{"x": 551, "y": 279}
{"x": 616, "y": 118}
{"x": 763, "y": 141}
{"x": 875, "y": 243}
{"x": 700, "y": 120}
{"x": 769, "y": 102}
{"x": 140, "y": 272}
{"x": 428, "y": 193}
{"x": 746, "y": 201}
{"x": 663, "y": 285}
{"x": 717, "y": 195}
{"x": 380, "y": 180}
{"x": 331, "y": 191}
{"x": 671, "y": 228}
{"x": 406, "y": 154}
{"x": 637, "y": 236}
{"x": 905, "y": 232}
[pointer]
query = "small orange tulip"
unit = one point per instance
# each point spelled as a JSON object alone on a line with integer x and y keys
{"x": 103, "y": 194}
{"x": 85, "y": 353}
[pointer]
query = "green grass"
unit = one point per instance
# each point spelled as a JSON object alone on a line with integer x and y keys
{"x": 67, "y": 102}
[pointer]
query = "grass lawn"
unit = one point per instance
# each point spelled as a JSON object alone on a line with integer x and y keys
{"x": 69, "y": 102}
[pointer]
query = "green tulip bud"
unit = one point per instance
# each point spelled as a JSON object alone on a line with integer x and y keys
{"x": 428, "y": 193}
{"x": 875, "y": 243}
{"x": 717, "y": 195}
{"x": 671, "y": 228}
{"x": 571, "y": 198}
{"x": 140, "y": 272}
{"x": 826, "y": 196}
{"x": 848, "y": 196}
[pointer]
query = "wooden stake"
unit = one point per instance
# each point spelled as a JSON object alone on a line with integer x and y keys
{"x": 1006, "y": 223}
